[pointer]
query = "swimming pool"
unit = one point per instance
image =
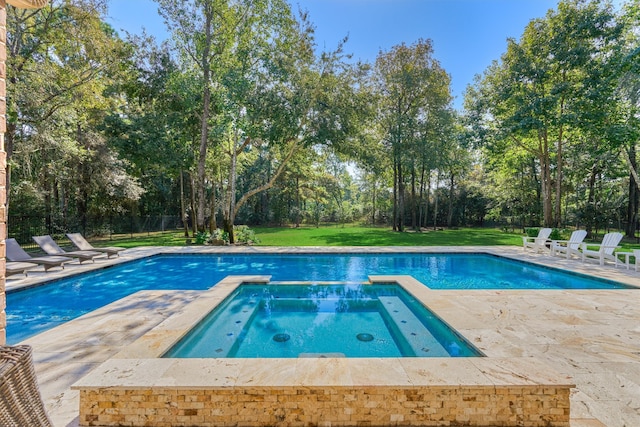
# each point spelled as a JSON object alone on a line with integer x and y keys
{"x": 266, "y": 321}
{"x": 37, "y": 309}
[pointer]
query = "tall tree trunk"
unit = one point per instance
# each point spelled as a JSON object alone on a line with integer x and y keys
{"x": 395, "y": 193}
{"x": 450, "y": 214}
{"x": 373, "y": 202}
{"x": 194, "y": 225}
{"x": 559, "y": 177}
{"x": 401, "y": 204}
{"x": 435, "y": 203}
{"x": 546, "y": 184}
{"x": 212, "y": 214}
{"x": 48, "y": 187}
{"x": 634, "y": 194}
{"x": 591, "y": 200}
{"x": 183, "y": 209}
{"x": 298, "y": 206}
{"x": 204, "y": 123}
{"x": 414, "y": 200}
{"x": 421, "y": 196}
{"x": 426, "y": 205}
{"x": 84, "y": 176}
{"x": 231, "y": 208}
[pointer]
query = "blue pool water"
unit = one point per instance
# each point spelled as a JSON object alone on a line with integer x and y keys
{"x": 321, "y": 320}
{"x": 37, "y": 309}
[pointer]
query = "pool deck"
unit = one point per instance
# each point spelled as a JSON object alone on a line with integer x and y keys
{"x": 591, "y": 337}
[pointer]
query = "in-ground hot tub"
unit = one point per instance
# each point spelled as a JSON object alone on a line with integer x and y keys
{"x": 138, "y": 387}
{"x": 295, "y": 320}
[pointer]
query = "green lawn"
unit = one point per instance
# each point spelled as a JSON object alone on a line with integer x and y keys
{"x": 351, "y": 235}
{"x": 348, "y": 235}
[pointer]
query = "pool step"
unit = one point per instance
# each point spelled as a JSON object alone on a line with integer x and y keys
{"x": 221, "y": 342}
{"x": 421, "y": 341}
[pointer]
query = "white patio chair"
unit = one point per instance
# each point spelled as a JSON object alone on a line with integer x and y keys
{"x": 538, "y": 243}
{"x": 569, "y": 247}
{"x": 605, "y": 249}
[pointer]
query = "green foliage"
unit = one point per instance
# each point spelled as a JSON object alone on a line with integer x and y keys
{"x": 245, "y": 235}
{"x": 202, "y": 237}
{"x": 531, "y": 232}
{"x": 62, "y": 63}
{"x": 552, "y": 91}
{"x": 97, "y": 125}
{"x": 556, "y": 234}
{"x": 218, "y": 236}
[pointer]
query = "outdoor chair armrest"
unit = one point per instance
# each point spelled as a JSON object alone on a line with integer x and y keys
{"x": 583, "y": 246}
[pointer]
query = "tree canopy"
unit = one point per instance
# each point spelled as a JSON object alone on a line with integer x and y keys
{"x": 240, "y": 118}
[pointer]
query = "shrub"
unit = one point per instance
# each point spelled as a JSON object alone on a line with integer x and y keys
{"x": 218, "y": 236}
{"x": 244, "y": 234}
{"x": 532, "y": 232}
{"x": 555, "y": 234}
{"x": 202, "y": 237}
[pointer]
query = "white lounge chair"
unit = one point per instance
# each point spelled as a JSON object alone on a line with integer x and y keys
{"x": 569, "y": 247}
{"x": 49, "y": 245}
{"x": 538, "y": 243}
{"x": 605, "y": 249}
{"x": 81, "y": 243}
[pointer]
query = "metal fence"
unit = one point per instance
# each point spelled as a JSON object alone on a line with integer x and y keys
{"x": 22, "y": 228}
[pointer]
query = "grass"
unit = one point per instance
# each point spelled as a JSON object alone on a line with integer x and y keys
{"x": 348, "y": 235}
{"x": 353, "y": 235}
{"x": 166, "y": 238}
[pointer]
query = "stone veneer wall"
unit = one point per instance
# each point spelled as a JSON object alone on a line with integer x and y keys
{"x": 532, "y": 406}
{"x": 3, "y": 166}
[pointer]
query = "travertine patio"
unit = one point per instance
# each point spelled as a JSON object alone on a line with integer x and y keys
{"x": 590, "y": 337}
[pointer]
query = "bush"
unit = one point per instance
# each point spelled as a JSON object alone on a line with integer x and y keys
{"x": 218, "y": 237}
{"x": 202, "y": 237}
{"x": 244, "y": 234}
{"x": 555, "y": 234}
{"x": 532, "y": 232}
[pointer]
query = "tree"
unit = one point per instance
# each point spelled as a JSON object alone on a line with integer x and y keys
{"x": 204, "y": 34}
{"x": 547, "y": 87}
{"x": 628, "y": 108}
{"x": 62, "y": 61}
{"x": 413, "y": 91}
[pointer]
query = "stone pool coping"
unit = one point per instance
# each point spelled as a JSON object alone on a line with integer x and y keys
{"x": 478, "y": 391}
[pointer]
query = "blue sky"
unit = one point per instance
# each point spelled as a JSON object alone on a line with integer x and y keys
{"x": 467, "y": 34}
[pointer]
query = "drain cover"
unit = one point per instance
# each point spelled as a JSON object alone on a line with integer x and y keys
{"x": 281, "y": 337}
{"x": 364, "y": 337}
